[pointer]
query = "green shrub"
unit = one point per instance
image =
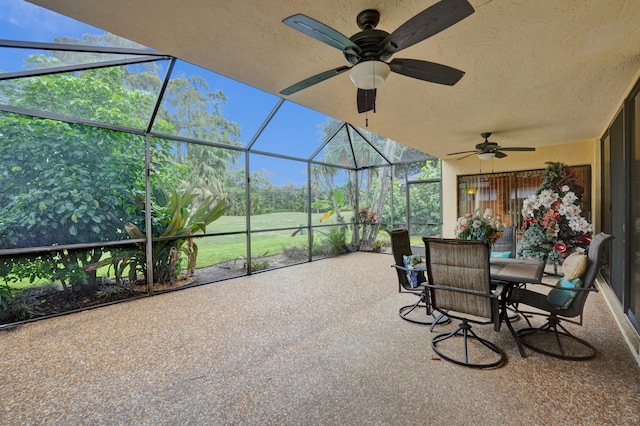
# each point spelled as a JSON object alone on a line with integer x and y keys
{"x": 338, "y": 239}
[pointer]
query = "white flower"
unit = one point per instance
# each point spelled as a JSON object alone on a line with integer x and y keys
{"x": 580, "y": 224}
{"x": 547, "y": 197}
{"x": 569, "y": 198}
{"x": 529, "y": 205}
{"x": 566, "y": 207}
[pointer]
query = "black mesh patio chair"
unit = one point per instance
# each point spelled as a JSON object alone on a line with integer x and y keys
{"x": 507, "y": 243}
{"x": 506, "y": 246}
{"x": 401, "y": 247}
{"x": 459, "y": 285}
{"x": 552, "y": 338}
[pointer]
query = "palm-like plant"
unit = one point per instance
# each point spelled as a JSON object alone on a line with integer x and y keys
{"x": 179, "y": 220}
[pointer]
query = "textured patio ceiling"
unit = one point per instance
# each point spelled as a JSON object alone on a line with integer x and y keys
{"x": 537, "y": 72}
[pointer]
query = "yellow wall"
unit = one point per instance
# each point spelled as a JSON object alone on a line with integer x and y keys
{"x": 573, "y": 154}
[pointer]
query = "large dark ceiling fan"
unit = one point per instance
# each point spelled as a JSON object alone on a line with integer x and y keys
{"x": 368, "y": 50}
{"x": 487, "y": 150}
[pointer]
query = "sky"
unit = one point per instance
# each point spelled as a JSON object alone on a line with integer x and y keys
{"x": 294, "y": 130}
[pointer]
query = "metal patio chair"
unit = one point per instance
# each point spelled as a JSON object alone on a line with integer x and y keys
{"x": 552, "y": 338}
{"x": 459, "y": 285}
{"x": 401, "y": 247}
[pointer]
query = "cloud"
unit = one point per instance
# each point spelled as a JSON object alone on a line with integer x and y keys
{"x": 42, "y": 24}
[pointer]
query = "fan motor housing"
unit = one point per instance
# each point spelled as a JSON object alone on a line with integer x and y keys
{"x": 486, "y": 146}
{"x": 369, "y": 43}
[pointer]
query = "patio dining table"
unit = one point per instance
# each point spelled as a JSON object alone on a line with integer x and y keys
{"x": 514, "y": 272}
{"x": 508, "y": 270}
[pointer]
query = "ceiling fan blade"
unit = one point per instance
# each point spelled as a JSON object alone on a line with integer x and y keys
{"x": 430, "y": 21}
{"x": 321, "y": 32}
{"x": 366, "y": 100}
{"x": 517, "y": 148}
{"x": 427, "y": 71}
{"x": 313, "y": 80}
{"x": 499, "y": 154}
{"x": 468, "y": 155}
{"x": 462, "y": 152}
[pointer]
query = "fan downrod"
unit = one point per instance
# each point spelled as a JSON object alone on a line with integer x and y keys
{"x": 368, "y": 40}
{"x": 485, "y": 135}
{"x": 368, "y": 19}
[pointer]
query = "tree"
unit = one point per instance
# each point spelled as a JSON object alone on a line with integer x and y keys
{"x": 375, "y": 183}
{"x": 343, "y": 150}
{"x": 189, "y": 108}
{"x": 554, "y": 227}
{"x": 66, "y": 183}
{"x": 424, "y": 199}
{"x": 193, "y": 110}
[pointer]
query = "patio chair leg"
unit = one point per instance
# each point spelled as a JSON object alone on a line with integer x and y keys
{"x": 441, "y": 319}
{"x": 406, "y": 310}
{"x": 517, "y": 338}
{"x": 464, "y": 330}
{"x": 551, "y": 326}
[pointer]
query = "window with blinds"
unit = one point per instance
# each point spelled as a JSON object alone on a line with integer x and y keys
{"x": 505, "y": 192}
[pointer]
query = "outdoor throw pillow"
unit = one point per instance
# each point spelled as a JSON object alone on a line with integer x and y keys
{"x": 409, "y": 263}
{"x": 504, "y": 254}
{"x": 561, "y": 296}
{"x": 574, "y": 266}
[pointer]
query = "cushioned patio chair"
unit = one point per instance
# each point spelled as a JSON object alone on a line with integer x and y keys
{"x": 459, "y": 285}
{"x": 411, "y": 281}
{"x": 565, "y": 301}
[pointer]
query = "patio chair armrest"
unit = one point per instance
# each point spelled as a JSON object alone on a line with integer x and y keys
{"x": 543, "y": 284}
{"x": 585, "y": 289}
{"x": 500, "y": 288}
{"x": 461, "y": 290}
{"x": 573, "y": 289}
{"x": 499, "y": 292}
{"x": 402, "y": 268}
{"x": 418, "y": 268}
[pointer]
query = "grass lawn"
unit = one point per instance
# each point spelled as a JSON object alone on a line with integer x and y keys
{"x": 212, "y": 250}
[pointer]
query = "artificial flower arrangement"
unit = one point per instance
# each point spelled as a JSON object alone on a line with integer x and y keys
{"x": 553, "y": 223}
{"x": 485, "y": 227}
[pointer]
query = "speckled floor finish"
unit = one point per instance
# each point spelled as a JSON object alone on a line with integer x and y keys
{"x": 318, "y": 343}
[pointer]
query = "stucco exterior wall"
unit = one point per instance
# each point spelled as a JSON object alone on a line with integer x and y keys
{"x": 573, "y": 154}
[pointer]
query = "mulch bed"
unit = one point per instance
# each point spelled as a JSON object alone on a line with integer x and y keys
{"x": 49, "y": 300}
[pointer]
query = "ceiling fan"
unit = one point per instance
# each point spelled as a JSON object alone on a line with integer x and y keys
{"x": 368, "y": 50}
{"x": 487, "y": 150}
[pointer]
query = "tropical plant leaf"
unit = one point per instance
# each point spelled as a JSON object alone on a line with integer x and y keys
{"x": 326, "y": 216}
{"x": 133, "y": 231}
{"x": 321, "y": 204}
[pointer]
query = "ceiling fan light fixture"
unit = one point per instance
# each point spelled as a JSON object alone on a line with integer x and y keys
{"x": 369, "y": 75}
{"x": 486, "y": 155}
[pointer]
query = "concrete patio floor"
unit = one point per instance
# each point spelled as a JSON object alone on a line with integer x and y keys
{"x": 317, "y": 343}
